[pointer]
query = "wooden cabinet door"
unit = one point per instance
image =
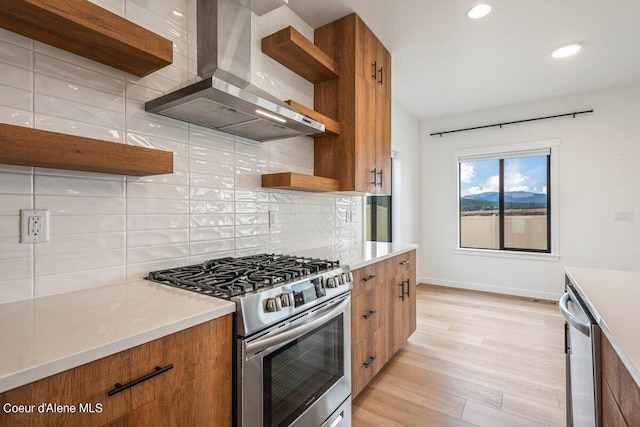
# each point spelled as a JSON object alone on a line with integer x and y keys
{"x": 383, "y": 144}
{"x": 383, "y": 78}
{"x": 401, "y": 317}
{"x": 396, "y": 317}
{"x": 366, "y": 53}
{"x": 365, "y": 137}
{"x": 409, "y": 323}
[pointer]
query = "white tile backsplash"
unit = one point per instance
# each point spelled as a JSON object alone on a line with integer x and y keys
{"x": 110, "y": 228}
{"x": 70, "y": 72}
{"x": 13, "y": 97}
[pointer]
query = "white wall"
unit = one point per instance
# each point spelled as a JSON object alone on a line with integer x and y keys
{"x": 109, "y": 228}
{"x": 405, "y": 138}
{"x": 599, "y": 155}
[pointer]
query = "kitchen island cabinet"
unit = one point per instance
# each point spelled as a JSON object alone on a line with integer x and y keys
{"x": 192, "y": 385}
{"x": 612, "y": 298}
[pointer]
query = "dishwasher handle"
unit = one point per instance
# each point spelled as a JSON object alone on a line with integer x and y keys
{"x": 583, "y": 328}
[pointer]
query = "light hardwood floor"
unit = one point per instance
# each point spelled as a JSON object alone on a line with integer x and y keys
{"x": 476, "y": 359}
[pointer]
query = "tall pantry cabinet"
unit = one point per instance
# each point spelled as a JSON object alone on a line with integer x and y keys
{"x": 360, "y": 99}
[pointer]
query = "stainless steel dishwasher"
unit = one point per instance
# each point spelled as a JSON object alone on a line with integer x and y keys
{"x": 582, "y": 348}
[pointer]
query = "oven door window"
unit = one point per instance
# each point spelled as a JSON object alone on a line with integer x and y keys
{"x": 297, "y": 374}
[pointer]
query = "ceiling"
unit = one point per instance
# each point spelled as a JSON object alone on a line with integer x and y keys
{"x": 445, "y": 63}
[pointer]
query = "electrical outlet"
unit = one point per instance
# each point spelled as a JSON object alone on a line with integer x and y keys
{"x": 34, "y": 225}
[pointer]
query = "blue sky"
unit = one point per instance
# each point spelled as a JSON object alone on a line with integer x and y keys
{"x": 520, "y": 174}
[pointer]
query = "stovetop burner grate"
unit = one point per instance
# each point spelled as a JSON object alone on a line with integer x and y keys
{"x": 229, "y": 277}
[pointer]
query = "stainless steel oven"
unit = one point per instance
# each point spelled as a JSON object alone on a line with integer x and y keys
{"x": 292, "y": 326}
{"x": 298, "y": 371}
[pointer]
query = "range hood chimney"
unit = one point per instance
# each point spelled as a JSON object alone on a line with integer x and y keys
{"x": 225, "y": 99}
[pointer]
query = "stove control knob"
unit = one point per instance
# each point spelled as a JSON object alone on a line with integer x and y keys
{"x": 331, "y": 283}
{"x": 286, "y": 300}
{"x": 273, "y": 304}
{"x": 350, "y": 276}
{"x": 345, "y": 278}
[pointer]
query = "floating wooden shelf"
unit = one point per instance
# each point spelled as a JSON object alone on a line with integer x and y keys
{"x": 33, "y": 147}
{"x": 331, "y": 127}
{"x": 88, "y": 30}
{"x": 300, "y": 182}
{"x": 297, "y": 53}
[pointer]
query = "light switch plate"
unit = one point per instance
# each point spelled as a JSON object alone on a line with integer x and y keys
{"x": 623, "y": 216}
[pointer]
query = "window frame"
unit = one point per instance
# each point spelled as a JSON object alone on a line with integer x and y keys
{"x": 510, "y": 151}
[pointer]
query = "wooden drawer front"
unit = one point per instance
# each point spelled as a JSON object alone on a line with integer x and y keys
{"x": 367, "y": 277}
{"x": 206, "y": 401}
{"x": 86, "y": 384}
{"x": 401, "y": 263}
{"x": 624, "y": 389}
{"x": 367, "y": 313}
{"x": 367, "y": 359}
{"x": 193, "y": 352}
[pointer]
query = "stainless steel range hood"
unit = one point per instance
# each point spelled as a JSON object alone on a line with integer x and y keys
{"x": 225, "y": 99}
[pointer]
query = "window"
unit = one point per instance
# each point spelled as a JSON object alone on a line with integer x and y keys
{"x": 504, "y": 201}
{"x": 378, "y": 226}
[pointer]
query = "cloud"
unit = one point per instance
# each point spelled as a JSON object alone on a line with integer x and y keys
{"x": 491, "y": 184}
{"x": 513, "y": 179}
{"x": 467, "y": 172}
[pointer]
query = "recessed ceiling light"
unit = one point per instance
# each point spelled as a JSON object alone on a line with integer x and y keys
{"x": 479, "y": 11}
{"x": 566, "y": 50}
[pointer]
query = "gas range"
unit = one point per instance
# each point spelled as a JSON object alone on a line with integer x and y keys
{"x": 266, "y": 288}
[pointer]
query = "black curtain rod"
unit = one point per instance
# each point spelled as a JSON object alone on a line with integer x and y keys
{"x": 511, "y": 123}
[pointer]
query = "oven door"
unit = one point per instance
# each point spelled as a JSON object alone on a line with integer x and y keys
{"x": 298, "y": 372}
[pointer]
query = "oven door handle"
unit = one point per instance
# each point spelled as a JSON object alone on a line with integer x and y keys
{"x": 283, "y": 337}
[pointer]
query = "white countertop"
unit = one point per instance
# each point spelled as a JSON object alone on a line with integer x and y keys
{"x": 360, "y": 254}
{"x": 47, "y": 335}
{"x": 613, "y": 298}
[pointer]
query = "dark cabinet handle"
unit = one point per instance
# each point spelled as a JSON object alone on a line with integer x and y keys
{"x": 379, "y": 173}
{"x": 371, "y": 277}
{"x": 408, "y": 286}
{"x": 380, "y": 72}
{"x": 375, "y": 175}
{"x": 370, "y": 314}
{"x": 370, "y": 361}
{"x": 405, "y": 262}
{"x": 374, "y": 65}
{"x": 119, "y": 387}
{"x": 402, "y": 291}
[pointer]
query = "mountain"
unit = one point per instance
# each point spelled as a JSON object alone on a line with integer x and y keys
{"x": 512, "y": 199}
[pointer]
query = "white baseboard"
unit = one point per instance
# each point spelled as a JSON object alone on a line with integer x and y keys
{"x": 491, "y": 288}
